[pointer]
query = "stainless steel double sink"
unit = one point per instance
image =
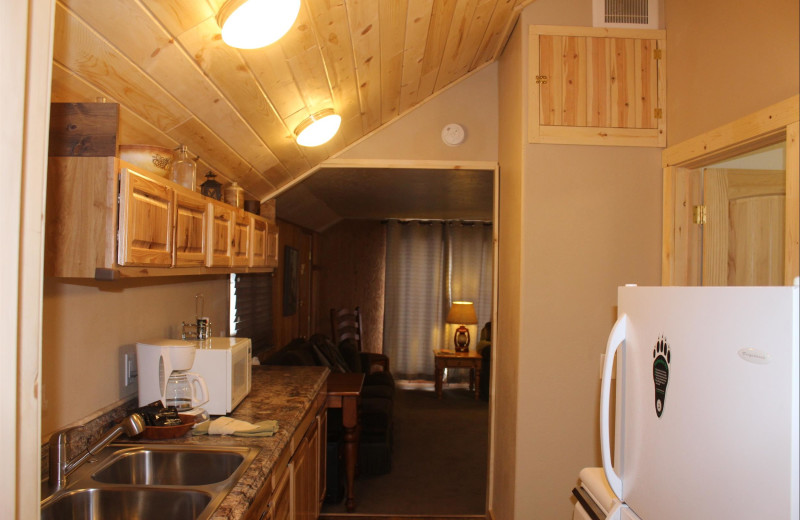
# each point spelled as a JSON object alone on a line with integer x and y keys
{"x": 144, "y": 481}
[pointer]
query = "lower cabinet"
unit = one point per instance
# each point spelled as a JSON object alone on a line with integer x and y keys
{"x": 306, "y": 505}
{"x": 281, "y": 504}
{"x": 297, "y": 485}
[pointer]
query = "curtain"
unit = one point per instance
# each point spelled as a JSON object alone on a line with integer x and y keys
{"x": 428, "y": 266}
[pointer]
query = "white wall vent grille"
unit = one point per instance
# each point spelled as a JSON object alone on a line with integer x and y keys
{"x": 625, "y": 13}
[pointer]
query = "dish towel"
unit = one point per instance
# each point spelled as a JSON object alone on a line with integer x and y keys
{"x": 230, "y": 426}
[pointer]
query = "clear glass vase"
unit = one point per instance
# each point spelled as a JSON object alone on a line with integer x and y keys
{"x": 184, "y": 170}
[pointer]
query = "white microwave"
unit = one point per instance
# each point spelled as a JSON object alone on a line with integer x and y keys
{"x": 226, "y": 365}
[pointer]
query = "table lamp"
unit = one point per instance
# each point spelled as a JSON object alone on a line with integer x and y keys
{"x": 461, "y": 314}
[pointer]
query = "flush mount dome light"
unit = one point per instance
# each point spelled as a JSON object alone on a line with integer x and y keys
{"x": 250, "y": 24}
{"x": 318, "y": 128}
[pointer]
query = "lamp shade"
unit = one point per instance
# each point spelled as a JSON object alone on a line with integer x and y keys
{"x": 318, "y": 128}
{"x": 462, "y": 313}
{"x": 250, "y": 24}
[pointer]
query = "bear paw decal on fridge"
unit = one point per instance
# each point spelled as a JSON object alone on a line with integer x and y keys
{"x": 661, "y": 358}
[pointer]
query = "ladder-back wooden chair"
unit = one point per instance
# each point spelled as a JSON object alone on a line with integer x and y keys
{"x": 346, "y": 324}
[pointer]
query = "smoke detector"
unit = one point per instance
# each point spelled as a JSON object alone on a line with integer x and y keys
{"x": 453, "y": 134}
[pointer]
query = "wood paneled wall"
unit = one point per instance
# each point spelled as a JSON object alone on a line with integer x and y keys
{"x": 286, "y": 328}
{"x": 351, "y": 266}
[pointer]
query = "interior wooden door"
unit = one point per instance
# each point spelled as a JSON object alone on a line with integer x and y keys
{"x": 743, "y": 236}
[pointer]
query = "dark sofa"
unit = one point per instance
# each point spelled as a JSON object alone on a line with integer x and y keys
{"x": 377, "y": 395}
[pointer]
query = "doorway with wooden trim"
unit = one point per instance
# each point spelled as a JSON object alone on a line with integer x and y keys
{"x": 731, "y": 203}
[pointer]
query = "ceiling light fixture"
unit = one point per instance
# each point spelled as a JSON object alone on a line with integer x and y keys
{"x": 318, "y": 128}
{"x": 250, "y": 24}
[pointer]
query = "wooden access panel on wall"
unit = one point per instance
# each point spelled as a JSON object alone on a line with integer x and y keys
{"x": 596, "y": 86}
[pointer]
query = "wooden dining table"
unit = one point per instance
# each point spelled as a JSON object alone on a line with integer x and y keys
{"x": 344, "y": 391}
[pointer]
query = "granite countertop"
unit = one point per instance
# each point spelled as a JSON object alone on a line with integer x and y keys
{"x": 277, "y": 392}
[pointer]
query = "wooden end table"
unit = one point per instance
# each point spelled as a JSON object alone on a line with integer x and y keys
{"x": 344, "y": 391}
{"x": 452, "y": 359}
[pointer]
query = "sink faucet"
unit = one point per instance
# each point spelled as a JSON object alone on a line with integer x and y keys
{"x": 60, "y": 467}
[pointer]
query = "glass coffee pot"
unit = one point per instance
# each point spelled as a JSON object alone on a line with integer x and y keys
{"x": 185, "y": 390}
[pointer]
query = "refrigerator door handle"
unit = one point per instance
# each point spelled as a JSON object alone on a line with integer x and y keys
{"x": 615, "y": 339}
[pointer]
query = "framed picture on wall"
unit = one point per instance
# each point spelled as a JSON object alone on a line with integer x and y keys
{"x": 291, "y": 257}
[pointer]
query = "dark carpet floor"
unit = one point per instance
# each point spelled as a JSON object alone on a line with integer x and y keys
{"x": 439, "y": 460}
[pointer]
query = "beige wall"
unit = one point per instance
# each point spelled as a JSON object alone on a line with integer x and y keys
{"x": 505, "y": 354}
{"x": 472, "y": 103}
{"x": 589, "y": 220}
{"x": 727, "y": 60}
{"x": 86, "y": 328}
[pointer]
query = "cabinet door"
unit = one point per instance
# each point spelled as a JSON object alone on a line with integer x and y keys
{"x": 258, "y": 241}
{"x": 145, "y": 221}
{"x": 220, "y": 235}
{"x": 281, "y": 504}
{"x": 597, "y": 86}
{"x": 191, "y": 234}
{"x": 322, "y": 461}
{"x": 306, "y": 499}
{"x": 240, "y": 240}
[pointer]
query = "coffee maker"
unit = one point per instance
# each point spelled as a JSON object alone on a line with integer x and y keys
{"x": 163, "y": 366}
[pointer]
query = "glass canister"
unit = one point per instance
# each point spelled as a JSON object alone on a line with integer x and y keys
{"x": 184, "y": 170}
{"x": 234, "y": 195}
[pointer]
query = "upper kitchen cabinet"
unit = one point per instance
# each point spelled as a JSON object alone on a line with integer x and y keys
{"x": 242, "y": 242}
{"x": 596, "y": 86}
{"x": 192, "y": 219}
{"x": 146, "y": 211}
{"x": 108, "y": 219}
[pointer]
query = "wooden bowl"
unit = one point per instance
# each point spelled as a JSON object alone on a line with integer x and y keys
{"x": 169, "y": 432}
{"x": 154, "y": 159}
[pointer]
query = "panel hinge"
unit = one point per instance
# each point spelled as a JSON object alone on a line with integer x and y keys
{"x": 699, "y": 214}
{"x": 658, "y": 113}
{"x": 656, "y": 54}
{"x": 541, "y": 80}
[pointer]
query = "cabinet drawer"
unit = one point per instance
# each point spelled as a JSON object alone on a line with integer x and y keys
{"x": 461, "y": 363}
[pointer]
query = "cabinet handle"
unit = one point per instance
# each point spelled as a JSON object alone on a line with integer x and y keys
{"x": 263, "y": 514}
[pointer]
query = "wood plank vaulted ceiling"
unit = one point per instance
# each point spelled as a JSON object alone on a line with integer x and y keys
{"x": 176, "y": 82}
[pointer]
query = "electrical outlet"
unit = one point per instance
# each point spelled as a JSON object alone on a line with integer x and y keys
{"x": 129, "y": 369}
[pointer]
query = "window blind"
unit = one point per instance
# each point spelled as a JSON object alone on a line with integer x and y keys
{"x": 252, "y": 304}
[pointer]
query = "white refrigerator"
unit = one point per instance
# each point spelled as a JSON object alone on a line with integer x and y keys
{"x": 706, "y": 414}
